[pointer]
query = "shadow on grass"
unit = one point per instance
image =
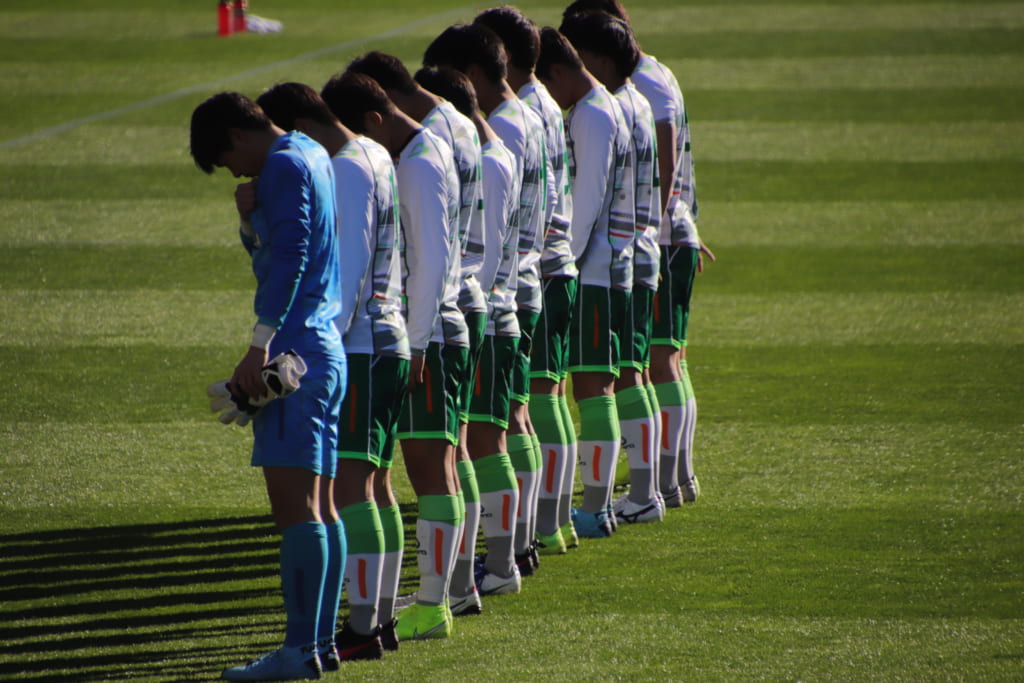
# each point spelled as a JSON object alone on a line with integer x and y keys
{"x": 170, "y": 601}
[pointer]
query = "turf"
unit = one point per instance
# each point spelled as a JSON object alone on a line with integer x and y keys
{"x": 857, "y": 353}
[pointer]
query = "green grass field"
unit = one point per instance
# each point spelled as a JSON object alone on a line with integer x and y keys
{"x": 857, "y": 352}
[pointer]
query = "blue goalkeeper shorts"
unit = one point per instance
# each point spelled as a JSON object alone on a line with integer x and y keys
{"x": 301, "y": 430}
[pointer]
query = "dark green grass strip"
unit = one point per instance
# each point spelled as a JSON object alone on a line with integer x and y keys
{"x": 835, "y": 43}
{"x": 807, "y": 385}
{"x": 856, "y": 180}
{"x": 126, "y": 267}
{"x": 985, "y": 268}
{"x": 989, "y": 268}
{"x": 705, "y": 103}
{"x": 142, "y": 181}
{"x": 926, "y": 383}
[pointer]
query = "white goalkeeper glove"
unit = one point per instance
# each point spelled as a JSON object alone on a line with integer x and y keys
{"x": 281, "y": 375}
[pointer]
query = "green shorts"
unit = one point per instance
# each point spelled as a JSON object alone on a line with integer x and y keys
{"x": 636, "y": 337}
{"x": 431, "y": 411}
{"x": 550, "y": 356}
{"x": 476, "y": 321}
{"x": 492, "y": 384}
{"x": 369, "y": 412}
{"x": 521, "y": 369}
{"x": 672, "y": 302}
{"x": 597, "y": 323}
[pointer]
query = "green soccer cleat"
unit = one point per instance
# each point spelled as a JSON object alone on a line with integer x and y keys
{"x": 423, "y": 622}
{"x": 568, "y": 531}
{"x": 552, "y": 545}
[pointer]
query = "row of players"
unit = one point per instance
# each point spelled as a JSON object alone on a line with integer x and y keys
{"x": 474, "y": 248}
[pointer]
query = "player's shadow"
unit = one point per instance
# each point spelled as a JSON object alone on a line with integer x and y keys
{"x": 168, "y": 601}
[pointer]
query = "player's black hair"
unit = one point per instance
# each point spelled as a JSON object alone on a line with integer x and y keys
{"x": 555, "y": 49}
{"x": 450, "y": 84}
{"x": 286, "y": 102}
{"x": 387, "y": 70}
{"x": 211, "y": 121}
{"x": 605, "y": 35}
{"x": 463, "y": 45}
{"x": 350, "y": 96}
{"x": 517, "y": 32}
{"x": 612, "y": 7}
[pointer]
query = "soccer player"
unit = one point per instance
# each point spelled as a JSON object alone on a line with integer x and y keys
{"x": 601, "y": 168}
{"x": 443, "y": 119}
{"x": 549, "y": 360}
{"x": 376, "y": 347}
{"x": 428, "y": 193}
{"x": 682, "y": 257}
{"x": 477, "y": 52}
{"x": 491, "y": 385}
{"x": 289, "y": 231}
{"x": 609, "y": 51}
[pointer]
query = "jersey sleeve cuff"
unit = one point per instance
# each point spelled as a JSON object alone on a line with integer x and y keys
{"x": 262, "y": 335}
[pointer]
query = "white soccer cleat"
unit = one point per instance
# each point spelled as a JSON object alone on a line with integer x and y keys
{"x": 633, "y": 513}
{"x": 283, "y": 664}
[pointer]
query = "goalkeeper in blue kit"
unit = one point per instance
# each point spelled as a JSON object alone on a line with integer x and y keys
{"x": 288, "y": 228}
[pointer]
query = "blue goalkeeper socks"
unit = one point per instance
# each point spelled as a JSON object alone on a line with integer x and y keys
{"x": 303, "y": 570}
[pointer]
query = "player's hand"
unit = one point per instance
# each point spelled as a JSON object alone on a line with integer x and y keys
{"x": 248, "y": 376}
{"x": 245, "y": 199}
{"x": 704, "y": 251}
{"x": 417, "y": 366}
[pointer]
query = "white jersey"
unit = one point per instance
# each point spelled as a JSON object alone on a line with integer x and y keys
{"x": 500, "y": 267}
{"x": 556, "y": 260}
{"x": 640, "y": 121}
{"x": 370, "y": 245}
{"x": 460, "y": 133}
{"x": 522, "y": 131}
{"x": 657, "y": 83}
{"x": 428, "y": 196}
{"x": 601, "y": 168}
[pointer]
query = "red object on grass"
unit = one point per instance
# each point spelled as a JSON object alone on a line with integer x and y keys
{"x": 225, "y": 17}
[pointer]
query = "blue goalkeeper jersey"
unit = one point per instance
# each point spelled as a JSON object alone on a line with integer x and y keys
{"x": 294, "y": 248}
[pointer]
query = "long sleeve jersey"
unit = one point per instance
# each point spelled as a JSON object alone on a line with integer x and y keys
{"x": 428, "y": 199}
{"x": 294, "y": 248}
{"x": 656, "y": 82}
{"x": 500, "y": 267}
{"x": 556, "y": 259}
{"x": 461, "y": 135}
{"x": 640, "y": 121}
{"x": 601, "y": 168}
{"x": 370, "y": 243}
{"x": 522, "y": 131}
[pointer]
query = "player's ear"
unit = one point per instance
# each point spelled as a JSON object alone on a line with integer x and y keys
{"x": 372, "y": 120}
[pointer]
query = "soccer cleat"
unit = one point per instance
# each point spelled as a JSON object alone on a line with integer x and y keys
{"x": 534, "y": 555}
{"x": 327, "y": 651}
{"x": 423, "y": 622}
{"x": 492, "y": 584}
{"x": 352, "y": 646}
{"x": 569, "y": 535}
{"x": 524, "y": 563}
{"x": 591, "y": 524}
{"x": 465, "y": 604}
{"x": 673, "y": 498}
{"x": 613, "y": 522}
{"x": 388, "y": 636}
{"x": 552, "y": 545}
{"x": 283, "y": 664}
{"x": 632, "y": 513}
{"x": 691, "y": 490}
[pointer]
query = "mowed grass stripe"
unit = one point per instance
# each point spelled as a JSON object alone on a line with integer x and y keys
{"x": 837, "y": 41}
{"x": 878, "y": 224}
{"x": 856, "y": 141}
{"x": 800, "y": 320}
{"x": 126, "y": 267}
{"x": 732, "y": 181}
{"x": 866, "y": 384}
{"x": 851, "y": 384}
{"x": 707, "y": 102}
{"x": 868, "y": 269}
{"x": 865, "y": 72}
{"x": 103, "y": 222}
{"x": 859, "y": 180}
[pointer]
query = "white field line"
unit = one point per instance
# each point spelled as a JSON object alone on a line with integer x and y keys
{"x": 204, "y": 87}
